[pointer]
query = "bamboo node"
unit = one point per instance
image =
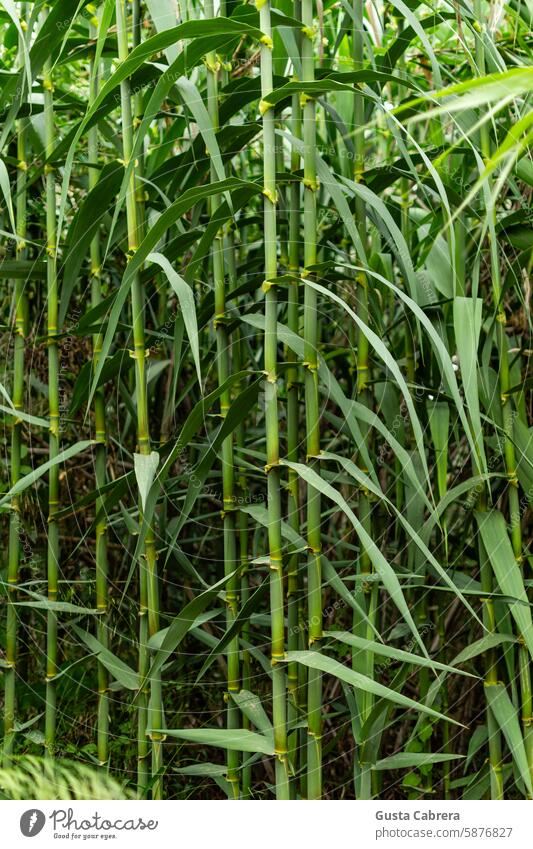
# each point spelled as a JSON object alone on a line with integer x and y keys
{"x": 275, "y": 563}
{"x": 48, "y": 84}
{"x": 311, "y": 366}
{"x": 271, "y": 376}
{"x": 266, "y": 285}
{"x": 272, "y": 196}
{"x": 264, "y": 106}
{"x": 141, "y": 354}
{"x": 21, "y": 245}
{"x": 259, "y": 4}
{"x": 309, "y": 32}
{"x": 269, "y": 466}
{"x": 267, "y": 41}
{"x": 220, "y": 318}
{"x": 500, "y": 316}
{"x": 22, "y": 165}
{"x": 212, "y": 66}
{"x": 305, "y": 98}
{"x": 316, "y": 735}
{"x": 23, "y": 25}
{"x": 49, "y": 169}
{"x": 313, "y": 185}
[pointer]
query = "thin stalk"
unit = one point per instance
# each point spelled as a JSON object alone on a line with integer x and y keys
{"x": 228, "y": 467}
{"x": 243, "y": 534}
{"x": 54, "y": 420}
{"x": 277, "y": 621}
{"x": 150, "y": 713}
{"x": 363, "y": 661}
{"x": 238, "y": 358}
{"x": 13, "y": 565}
{"x": 102, "y": 602}
{"x": 312, "y": 416}
{"x": 293, "y": 380}
{"x": 515, "y": 528}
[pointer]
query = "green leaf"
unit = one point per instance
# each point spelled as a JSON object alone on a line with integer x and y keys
{"x": 145, "y": 466}
{"x": 467, "y": 326}
{"x": 239, "y": 739}
{"x": 181, "y": 625}
{"x": 505, "y": 714}
{"x": 6, "y": 191}
{"x": 382, "y": 567}
{"x": 496, "y": 541}
{"x": 316, "y": 660}
{"x": 24, "y": 417}
{"x": 387, "y": 651}
{"x": 250, "y": 705}
{"x": 118, "y": 669}
{"x": 485, "y": 644}
{"x": 33, "y": 476}
{"x": 406, "y": 760}
{"x": 186, "y": 301}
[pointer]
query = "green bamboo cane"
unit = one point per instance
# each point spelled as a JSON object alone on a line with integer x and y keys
{"x": 149, "y": 712}
{"x": 362, "y": 661}
{"x": 312, "y": 415}
{"x": 21, "y": 302}
{"x": 243, "y": 535}
{"x": 102, "y": 602}
{"x": 277, "y": 620}
{"x": 293, "y": 506}
{"x": 53, "y": 552}
{"x": 242, "y": 530}
{"x": 515, "y": 529}
{"x": 228, "y": 468}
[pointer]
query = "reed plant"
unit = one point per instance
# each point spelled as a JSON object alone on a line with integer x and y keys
{"x": 266, "y": 403}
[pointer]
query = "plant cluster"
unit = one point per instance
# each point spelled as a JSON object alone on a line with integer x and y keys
{"x": 267, "y": 456}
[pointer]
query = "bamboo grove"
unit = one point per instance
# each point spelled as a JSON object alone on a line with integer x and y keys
{"x": 267, "y": 454}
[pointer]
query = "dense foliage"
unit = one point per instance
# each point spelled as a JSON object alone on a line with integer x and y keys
{"x": 267, "y": 458}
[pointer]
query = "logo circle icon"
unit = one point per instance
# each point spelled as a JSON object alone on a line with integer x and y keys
{"x": 32, "y": 822}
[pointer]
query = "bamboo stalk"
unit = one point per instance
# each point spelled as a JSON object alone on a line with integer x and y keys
{"x": 53, "y": 552}
{"x": 150, "y": 712}
{"x": 312, "y": 416}
{"x": 515, "y": 530}
{"x": 102, "y": 624}
{"x": 228, "y": 467}
{"x": 362, "y": 661}
{"x": 238, "y": 357}
{"x": 293, "y": 380}
{"x": 272, "y": 470}
{"x": 15, "y": 520}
